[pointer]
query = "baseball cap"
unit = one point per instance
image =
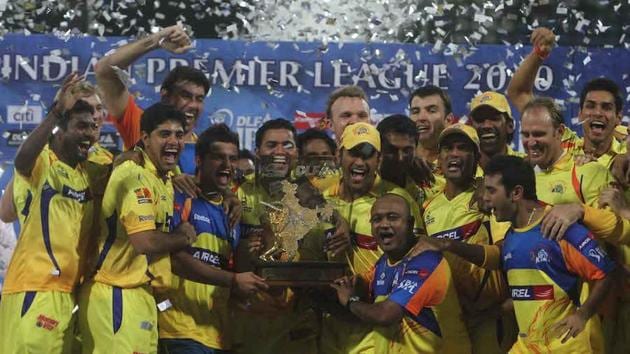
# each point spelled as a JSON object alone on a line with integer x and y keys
{"x": 359, "y": 133}
{"x": 460, "y": 129}
{"x": 491, "y": 99}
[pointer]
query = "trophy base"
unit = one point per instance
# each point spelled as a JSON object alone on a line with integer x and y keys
{"x": 302, "y": 274}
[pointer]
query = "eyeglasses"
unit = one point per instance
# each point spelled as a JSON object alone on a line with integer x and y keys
{"x": 364, "y": 151}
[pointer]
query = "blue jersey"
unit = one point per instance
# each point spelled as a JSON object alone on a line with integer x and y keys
{"x": 200, "y": 311}
{"x": 544, "y": 278}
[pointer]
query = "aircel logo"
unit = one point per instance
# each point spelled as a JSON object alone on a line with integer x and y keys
{"x": 533, "y": 292}
{"x": 24, "y": 114}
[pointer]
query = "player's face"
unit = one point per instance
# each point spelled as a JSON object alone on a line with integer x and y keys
{"x": 359, "y": 166}
{"x": 599, "y": 116}
{"x": 346, "y": 111}
{"x": 164, "y": 144}
{"x": 496, "y": 198}
{"x": 317, "y": 148}
{"x": 188, "y": 97}
{"x": 78, "y": 137}
{"x": 542, "y": 142}
{"x": 493, "y": 129}
{"x": 398, "y": 153}
{"x": 390, "y": 224}
{"x": 99, "y": 112}
{"x": 429, "y": 114}
{"x": 457, "y": 158}
{"x": 216, "y": 168}
{"x": 277, "y": 153}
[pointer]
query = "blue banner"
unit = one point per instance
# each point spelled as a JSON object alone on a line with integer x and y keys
{"x": 256, "y": 81}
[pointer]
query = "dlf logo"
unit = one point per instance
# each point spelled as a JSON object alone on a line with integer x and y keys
{"x": 24, "y": 114}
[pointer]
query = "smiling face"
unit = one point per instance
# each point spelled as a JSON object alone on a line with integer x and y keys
{"x": 277, "y": 153}
{"x": 493, "y": 129}
{"x": 541, "y": 140}
{"x": 457, "y": 158}
{"x": 430, "y": 117}
{"x": 346, "y": 111}
{"x": 76, "y": 140}
{"x": 359, "y": 166}
{"x": 187, "y": 97}
{"x": 599, "y": 116}
{"x": 164, "y": 144}
{"x": 391, "y": 224}
{"x": 216, "y": 168}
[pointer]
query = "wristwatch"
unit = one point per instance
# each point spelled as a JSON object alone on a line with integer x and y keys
{"x": 351, "y": 300}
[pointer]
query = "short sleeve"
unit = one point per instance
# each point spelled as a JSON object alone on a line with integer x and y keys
{"x": 583, "y": 255}
{"x": 137, "y": 210}
{"x": 128, "y": 126}
{"x": 423, "y": 284}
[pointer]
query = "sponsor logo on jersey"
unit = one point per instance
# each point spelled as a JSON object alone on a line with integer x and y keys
{"x": 143, "y": 195}
{"x": 408, "y": 285}
{"x": 80, "y": 196}
{"x": 532, "y": 292}
{"x": 597, "y": 254}
{"x": 460, "y": 233}
{"x": 207, "y": 257}
{"x": 203, "y": 218}
{"x": 46, "y": 322}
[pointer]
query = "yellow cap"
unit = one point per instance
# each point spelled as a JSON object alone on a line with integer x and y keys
{"x": 491, "y": 99}
{"x": 461, "y": 129}
{"x": 359, "y": 133}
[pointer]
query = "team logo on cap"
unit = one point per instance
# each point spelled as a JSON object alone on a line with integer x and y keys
{"x": 485, "y": 98}
{"x": 360, "y": 130}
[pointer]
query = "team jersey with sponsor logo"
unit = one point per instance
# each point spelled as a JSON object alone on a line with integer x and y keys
{"x": 365, "y": 251}
{"x": 565, "y": 182}
{"x": 53, "y": 238}
{"x": 478, "y": 289}
{"x": 544, "y": 278}
{"x": 136, "y": 199}
{"x": 423, "y": 288}
{"x": 200, "y": 311}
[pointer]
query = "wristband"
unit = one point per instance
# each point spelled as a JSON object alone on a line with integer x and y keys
{"x": 538, "y": 51}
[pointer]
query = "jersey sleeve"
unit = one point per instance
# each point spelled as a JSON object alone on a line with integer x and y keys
{"x": 128, "y": 126}
{"x": 583, "y": 255}
{"x": 607, "y": 225}
{"x": 424, "y": 283}
{"x": 136, "y": 204}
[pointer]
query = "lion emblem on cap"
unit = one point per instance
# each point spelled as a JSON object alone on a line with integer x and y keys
{"x": 360, "y": 130}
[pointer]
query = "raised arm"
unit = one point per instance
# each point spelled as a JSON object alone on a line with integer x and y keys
{"x": 30, "y": 149}
{"x": 521, "y": 87}
{"x": 114, "y": 92}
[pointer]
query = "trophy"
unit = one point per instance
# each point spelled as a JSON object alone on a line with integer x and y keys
{"x": 290, "y": 222}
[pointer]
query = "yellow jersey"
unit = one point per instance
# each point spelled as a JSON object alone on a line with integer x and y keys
{"x": 565, "y": 182}
{"x": 136, "y": 199}
{"x": 51, "y": 243}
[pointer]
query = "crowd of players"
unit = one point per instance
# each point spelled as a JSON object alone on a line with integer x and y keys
{"x": 455, "y": 242}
